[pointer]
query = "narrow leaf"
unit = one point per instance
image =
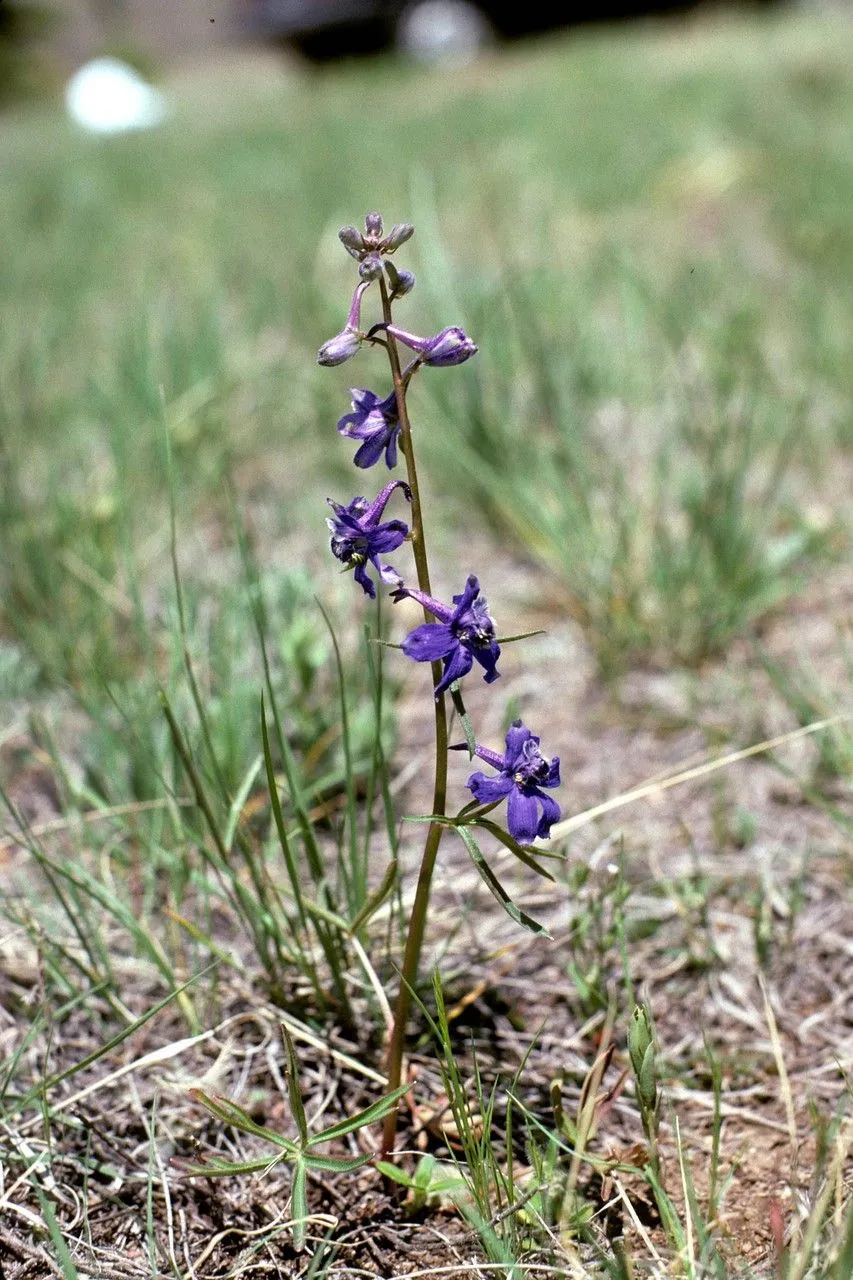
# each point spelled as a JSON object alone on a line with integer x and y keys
{"x": 440, "y": 818}
{"x": 294, "y": 1092}
{"x": 376, "y": 1111}
{"x": 336, "y": 1164}
{"x": 299, "y": 1206}
{"x": 522, "y": 635}
{"x": 240, "y": 799}
{"x": 230, "y": 1113}
{"x": 519, "y": 850}
{"x": 63, "y": 1253}
{"x": 497, "y": 889}
{"x": 376, "y": 899}
{"x": 278, "y": 817}
{"x": 394, "y": 1174}
{"x": 224, "y": 1168}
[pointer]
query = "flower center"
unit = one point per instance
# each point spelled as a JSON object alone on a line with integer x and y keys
{"x": 477, "y": 636}
{"x": 350, "y": 550}
{"x": 533, "y": 768}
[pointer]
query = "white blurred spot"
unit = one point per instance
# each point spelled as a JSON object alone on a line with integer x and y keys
{"x": 107, "y": 96}
{"x": 446, "y": 31}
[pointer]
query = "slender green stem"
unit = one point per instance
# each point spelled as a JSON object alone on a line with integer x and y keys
{"x": 417, "y": 921}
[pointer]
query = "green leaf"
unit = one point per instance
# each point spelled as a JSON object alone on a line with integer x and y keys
{"x": 497, "y": 889}
{"x": 63, "y": 1253}
{"x": 294, "y": 1092}
{"x": 230, "y": 1113}
{"x": 240, "y": 800}
{"x": 467, "y": 727}
{"x": 472, "y": 811}
{"x": 225, "y": 1168}
{"x": 376, "y": 1111}
{"x": 440, "y": 818}
{"x": 523, "y": 635}
{"x": 299, "y": 1206}
{"x": 336, "y": 1164}
{"x": 376, "y": 899}
{"x": 519, "y": 850}
{"x": 394, "y": 1174}
{"x": 278, "y": 816}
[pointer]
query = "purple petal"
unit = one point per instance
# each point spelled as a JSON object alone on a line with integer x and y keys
{"x": 553, "y": 779}
{"x": 429, "y": 642}
{"x": 344, "y": 516}
{"x": 377, "y": 506}
{"x": 550, "y": 814}
{"x": 516, "y": 737}
{"x": 521, "y": 816}
{"x": 364, "y": 581}
{"x": 388, "y": 537}
{"x": 391, "y": 451}
{"x": 487, "y": 790}
{"x": 369, "y": 453}
{"x": 388, "y": 574}
{"x": 363, "y": 399}
{"x": 457, "y": 665}
{"x": 464, "y": 601}
{"x": 487, "y": 659}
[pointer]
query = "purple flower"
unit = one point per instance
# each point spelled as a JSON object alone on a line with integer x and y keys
{"x": 523, "y": 771}
{"x": 358, "y": 538}
{"x": 375, "y": 422}
{"x": 348, "y": 341}
{"x": 451, "y": 346}
{"x": 461, "y": 634}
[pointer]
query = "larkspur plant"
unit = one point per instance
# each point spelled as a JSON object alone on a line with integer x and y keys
{"x": 452, "y": 637}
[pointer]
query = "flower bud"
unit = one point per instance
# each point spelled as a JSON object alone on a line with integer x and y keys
{"x": 405, "y": 284}
{"x": 399, "y": 234}
{"x": 340, "y": 348}
{"x": 352, "y": 240}
{"x": 451, "y": 346}
{"x": 641, "y": 1051}
{"x": 401, "y": 282}
{"x": 373, "y": 226}
{"x": 370, "y": 267}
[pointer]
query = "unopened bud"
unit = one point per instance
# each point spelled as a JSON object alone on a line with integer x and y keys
{"x": 641, "y": 1051}
{"x": 373, "y": 226}
{"x": 399, "y": 234}
{"x": 352, "y": 240}
{"x": 401, "y": 282}
{"x": 404, "y": 284}
{"x": 340, "y": 348}
{"x": 451, "y": 346}
{"x": 371, "y": 267}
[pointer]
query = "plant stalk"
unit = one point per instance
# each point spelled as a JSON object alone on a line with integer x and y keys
{"x": 417, "y": 920}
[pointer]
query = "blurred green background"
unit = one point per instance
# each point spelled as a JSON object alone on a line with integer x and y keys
{"x": 646, "y": 229}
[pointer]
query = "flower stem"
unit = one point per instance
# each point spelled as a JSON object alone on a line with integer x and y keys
{"x": 417, "y": 920}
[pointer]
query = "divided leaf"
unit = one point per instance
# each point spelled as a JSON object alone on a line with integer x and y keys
{"x": 496, "y": 888}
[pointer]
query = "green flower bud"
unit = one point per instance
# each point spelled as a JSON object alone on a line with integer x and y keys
{"x": 641, "y": 1051}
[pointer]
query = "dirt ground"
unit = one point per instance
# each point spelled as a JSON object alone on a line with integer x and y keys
{"x": 740, "y": 854}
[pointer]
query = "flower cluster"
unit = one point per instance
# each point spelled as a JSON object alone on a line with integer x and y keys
{"x": 463, "y": 632}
